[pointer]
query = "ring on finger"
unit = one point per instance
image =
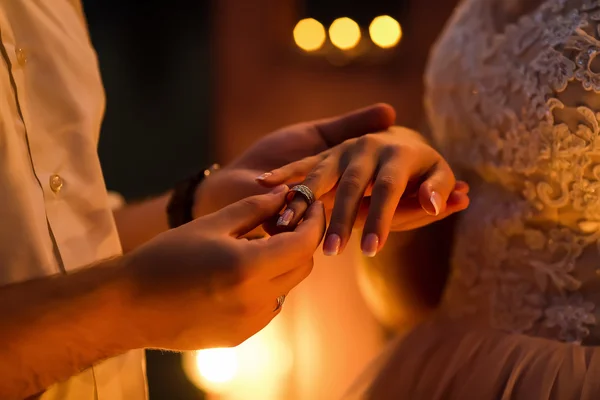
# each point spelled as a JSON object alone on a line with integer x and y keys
{"x": 306, "y": 193}
{"x": 280, "y": 301}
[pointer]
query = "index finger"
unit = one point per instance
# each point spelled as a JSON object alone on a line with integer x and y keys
{"x": 285, "y": 251}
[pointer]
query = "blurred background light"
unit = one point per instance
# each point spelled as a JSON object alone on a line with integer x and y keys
{"x": 309, "y": 34}
{"x": 344, "y": 33}
{"x": 212, "y": 370}
{"x": 385, "y": 31}
{"x": 259, "y": 366}
{"x": 217, "y": 365}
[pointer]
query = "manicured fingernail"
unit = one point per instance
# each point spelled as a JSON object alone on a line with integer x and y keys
{"x": 332, "y": 244}
{"x": 263, "y": 176}
{"x": 436, "y": 201}
{"x": 286, "y": 217}
{"x": 280, "y": 189}
{"x": 370, "y": 245}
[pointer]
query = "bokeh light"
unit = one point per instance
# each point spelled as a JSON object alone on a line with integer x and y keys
{"x": 344, "y": 33}
{"x": 217, "y": 365}
{"x": 261, "y": 366}
{"x": 309, "y": 34}
{"x": 385, "y": 31}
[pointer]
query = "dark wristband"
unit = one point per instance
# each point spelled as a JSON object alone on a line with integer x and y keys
{"x": 180, "y": 209}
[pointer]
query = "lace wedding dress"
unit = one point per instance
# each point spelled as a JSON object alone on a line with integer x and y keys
{"x": 513, "y": 98}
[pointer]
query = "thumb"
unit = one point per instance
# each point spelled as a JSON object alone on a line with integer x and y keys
{"x": 336, "y": 130}
{"x": 247, "y": 214}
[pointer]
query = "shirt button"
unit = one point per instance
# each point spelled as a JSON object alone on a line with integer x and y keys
{"x": 21, "y": 56}
{"x": 56, "y": 183}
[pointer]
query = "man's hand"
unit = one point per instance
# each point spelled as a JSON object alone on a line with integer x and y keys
{"x": 192, "y": 287}
{"x": 201, "y": 286}
{"x": 238, "y": 180}
{"x": 138, "y": 223}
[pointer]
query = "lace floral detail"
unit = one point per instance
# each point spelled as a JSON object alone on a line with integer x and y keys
{"x": 556, "y": 67}
{"x": 585, "y": 197}
{"x": 519, "y": 110}
{"x": 567, "y": 246}
{"x": 572, "y": 316}
{"x": 516, "y": 303}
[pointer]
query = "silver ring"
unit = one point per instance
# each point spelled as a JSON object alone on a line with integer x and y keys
{"x": 305, "y": 191}
{"x": 280, "y": 301}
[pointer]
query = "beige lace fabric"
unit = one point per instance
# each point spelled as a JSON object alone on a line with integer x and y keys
{"x": 513, "y": 96}
{"x": 514, "y": 102}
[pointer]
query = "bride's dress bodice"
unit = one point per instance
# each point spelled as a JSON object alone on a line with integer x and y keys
{"x": 513, "y": 97}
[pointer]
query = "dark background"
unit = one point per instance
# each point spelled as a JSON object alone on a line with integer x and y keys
{"x": 363, "y": 12}
{"x": 155, "y": 63}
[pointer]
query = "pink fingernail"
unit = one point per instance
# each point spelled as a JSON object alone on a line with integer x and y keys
{"x": 286, "y": 217}
{"x": 436, "y": 202}
{"x": 263, "y": 176}
{"x": 332, "y": 244}
{"x": 370, "y": 245}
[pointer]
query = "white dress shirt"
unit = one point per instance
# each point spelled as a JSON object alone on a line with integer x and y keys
{"x": 54, "y": 208}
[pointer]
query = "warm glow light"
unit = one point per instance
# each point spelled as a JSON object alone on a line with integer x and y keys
{"x": 385, "y": 31}
{"x": 217, "y": 365}
{"x": 259, "y": 366}
{"x": 344, "y": 33}
{"x": 309, "y": 34}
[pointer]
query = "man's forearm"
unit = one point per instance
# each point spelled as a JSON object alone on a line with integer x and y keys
{"x": 139, "y": 222}
{"x": 54, "y": 327}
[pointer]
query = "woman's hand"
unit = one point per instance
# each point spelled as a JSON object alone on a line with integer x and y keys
{"x": 237, "y": 180}
{"x": 392, "y": 180}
